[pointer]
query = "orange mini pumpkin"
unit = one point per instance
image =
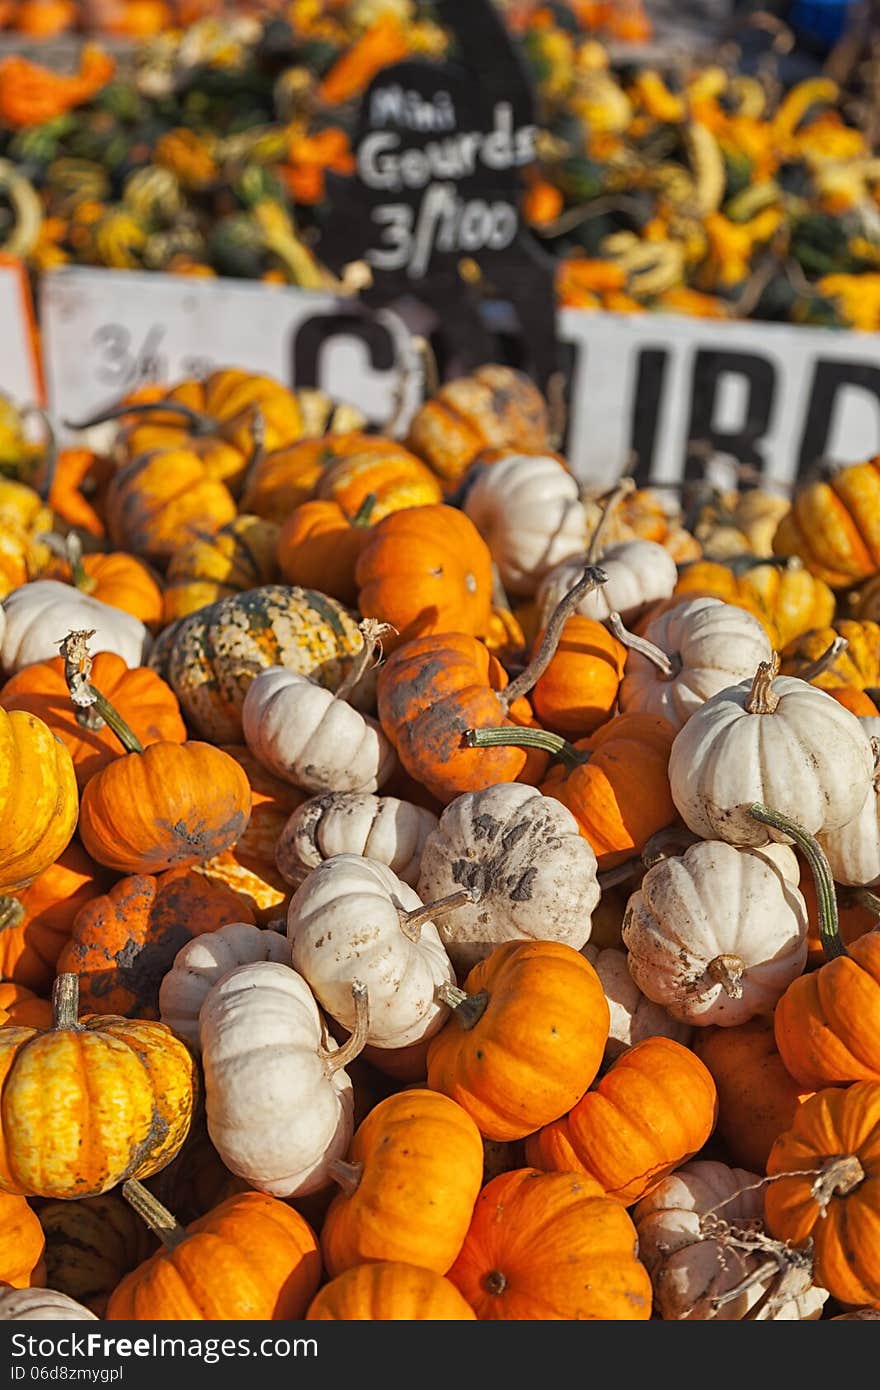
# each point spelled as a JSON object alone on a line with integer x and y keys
{"x": 652, "y": 1110}
{"x": 121, "y": 580}
{"x": 286, "y": 478}
{"x": 578, "y": 691}
{"x": 426, "y": 570}
{"x": 408, "y": 1185}
{"x": 123, "y": 943}
{"x": 22, "y": 1244}
{"x": 158, "y": 502}
{"x": 319, "y": 545}
{"x": 140, "y": 696}
{"x": 38, "y": 799}
{"x": 389, "y": 1291}
{"x": 551, "y": 1247}
{"x": 21, "y": 1008}
{"x": 525, "y": 1039}
{"x": 396, "y": 479}
{"x": 35, "y": 924}
{"x": 834, "y": 525}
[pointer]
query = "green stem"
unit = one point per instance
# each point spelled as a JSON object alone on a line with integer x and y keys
{"x": 77, "y": 669}
{"x": 468, "y": 1008}
{"x": 365, "y": 510}
{"x": 199, "y": 424}
{"x": 514, "y": 737}
{"x": 829, "y": 927}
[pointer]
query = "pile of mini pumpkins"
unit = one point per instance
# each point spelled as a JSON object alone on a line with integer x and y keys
{"x": 700, "y": 188}
{"x": 431, "y": 889}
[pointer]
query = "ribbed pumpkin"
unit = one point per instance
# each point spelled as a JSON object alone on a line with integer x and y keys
{"x": 123, "y": 943}
{"x": 38, "y": 799}
{"x": 396, "y": 480}
{"x": 146, "y": 703}
{"x": 578, "y": 691}
{"x": 121, "y": 580}
{"x": 858, "y": 665}
{"x": 22, "y": 1244}
{"x": 248, "y": 867}
{"x": 252, "y": 1258}
{"x": 408, "y": 1185}
{"x": 21, "y": 1008}
{"x": 426, "y": 570}
{"x": 653, "y": 1109}
{"x": 492, "y": 407}
{"x": 787, "y": 599}
{"x": 35, "y": 924}
{"x": 240, "y": 556}
{"x": 525, "y": 1040}
{"x": 757, "y": 1098}
{"x": 389, "y": 1291}
{"x": 826, "y": 1180}
{"x": 160, "y": 501}
{"x": 551, "y": 1247}
{"x": 319, "y": 545}
{"x": 213, "y": 655}
{"x": 216, "y": 418}
{"x": 286, "y": 478}
{"x": 91, "y": 1244}
{"x": 834, "y": 526}
{"x": 91, "y": 1101}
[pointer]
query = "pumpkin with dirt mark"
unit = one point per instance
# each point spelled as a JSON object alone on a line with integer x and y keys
{"x": 36, "y": 922}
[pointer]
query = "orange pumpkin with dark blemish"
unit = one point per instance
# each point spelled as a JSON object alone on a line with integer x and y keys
{"x": 35, "y": 924}
{"x": 123, "y": 943}
{"x": 158, "y": 502}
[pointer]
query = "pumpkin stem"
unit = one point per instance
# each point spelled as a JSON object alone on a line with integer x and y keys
{"x": 411, "y": 922}
{"x": 365, "y": 510}
{"x": 468, "y": 1008}
{"x": 513, "y": 737}
{"x": 371, "y": 631}
{"x": 829, "y": 927}
{"x": 821, "y": 664}
{"x": 11, "y": 912}
{"x": 354, "y": 1044}
{"x": 65, "y": 1002}
{"x": 198, "y": 423}
{"x": 607, "y": 501}
{"x": 77, "y": 669}
{"x": 865, "y": 898}
{"x": 727, "y": 971}
{"x": 664, "y": 843}
{"x": 495, "y": 1282}
{"x": 150, "y": 1209}
{"x": 348, "y": 1175}
{"x": 591, "y": 578}
{"x": 762, "y": 697}
{"x": 837, "y": 1177}
{"x": 668, "y": 666}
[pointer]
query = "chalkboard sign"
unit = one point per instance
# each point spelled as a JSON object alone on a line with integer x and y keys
{"x": 440, "y": 151}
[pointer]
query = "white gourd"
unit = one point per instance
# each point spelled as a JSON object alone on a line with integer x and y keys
{"x": 780, "y": 742}
{"x": 633, "y": 1015}
{"x": 717, "y": 934}
{"x": 206, "y": 959}
{"x": 701, "y": 1236}
{"x": 522, "y": 853}
{"x": 353, "y": 918}
{"x": 39, "y": 615}
{"x": 853, "y": 850}
{"x": 41, "y": 1305}
{"x": 307, "y": 735}
{"x": 383, "y": 828}
{"x": 639, "y": 573}
{"x": 708, "y": 646}
{"x": 528, "y": 510}
{"x": 279, "y": 1104}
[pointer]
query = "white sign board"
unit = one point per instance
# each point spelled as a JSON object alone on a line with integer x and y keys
{"x": 777, "y": 396}
{"x": 20, "y": 377}
{"x": 105, "y": 332}
{"x": 648, "y": 393}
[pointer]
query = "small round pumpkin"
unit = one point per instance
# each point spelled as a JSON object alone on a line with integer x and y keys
{"x": 35, "y": 924}
{"x": 22, "y": 1244}
{"x": 240, "y": 556}
{"x": 389, "y": 1291}
{"x": 159, "y": 501}
{"x": 38, "y": 799}
{"x": 579, "y": 689}
{"x": 91, "y": 1244}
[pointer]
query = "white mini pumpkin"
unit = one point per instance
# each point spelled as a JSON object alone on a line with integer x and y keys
{"x": 633, "y": 1015}
{"x": 39, "y": 615}
{"x": 354, "y": 919}
{"x": 639, "y": 573}
{"x": 853, "y": 850}
{"x": 278, "y": 1101}
{"x": 717, "y": 934}
{"x": 206, "y": 959}
{"x": 383, "y": 828}
{"x": 522, "y": 853}
{"x": 702, "y": 646}
{"x": 701, "y": 1238}
{"x": 528, "y": 510}
{"x": 780, "y": 742}
{"x": 41, "y": 1305}
{"x": 308, "y": 736}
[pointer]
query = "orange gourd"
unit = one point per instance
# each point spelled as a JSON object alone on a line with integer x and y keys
{"x": 22, "y": 1244}
{"x": 834, "y": 525}
{"x": 389, "y": 1291}
{"x": 38, "y": 799}
{"x": 116, "y": 578}
{"x": 241, "y": 555}
{"x": 551, "y": 1247}
{"x": 286, "y": 478}
{"x": 396, "y": 479}
{"x": 653, "y": 1109}
{"x": 319, "y": 545}
{"x": 160, "y": 501}
{"x": 786, "y": 599}
{"x": 578, "y": 691}
{"x": 21, "y": 1008}
{"x": 35, "y": 924}
{"x": 525, "y": 1040}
